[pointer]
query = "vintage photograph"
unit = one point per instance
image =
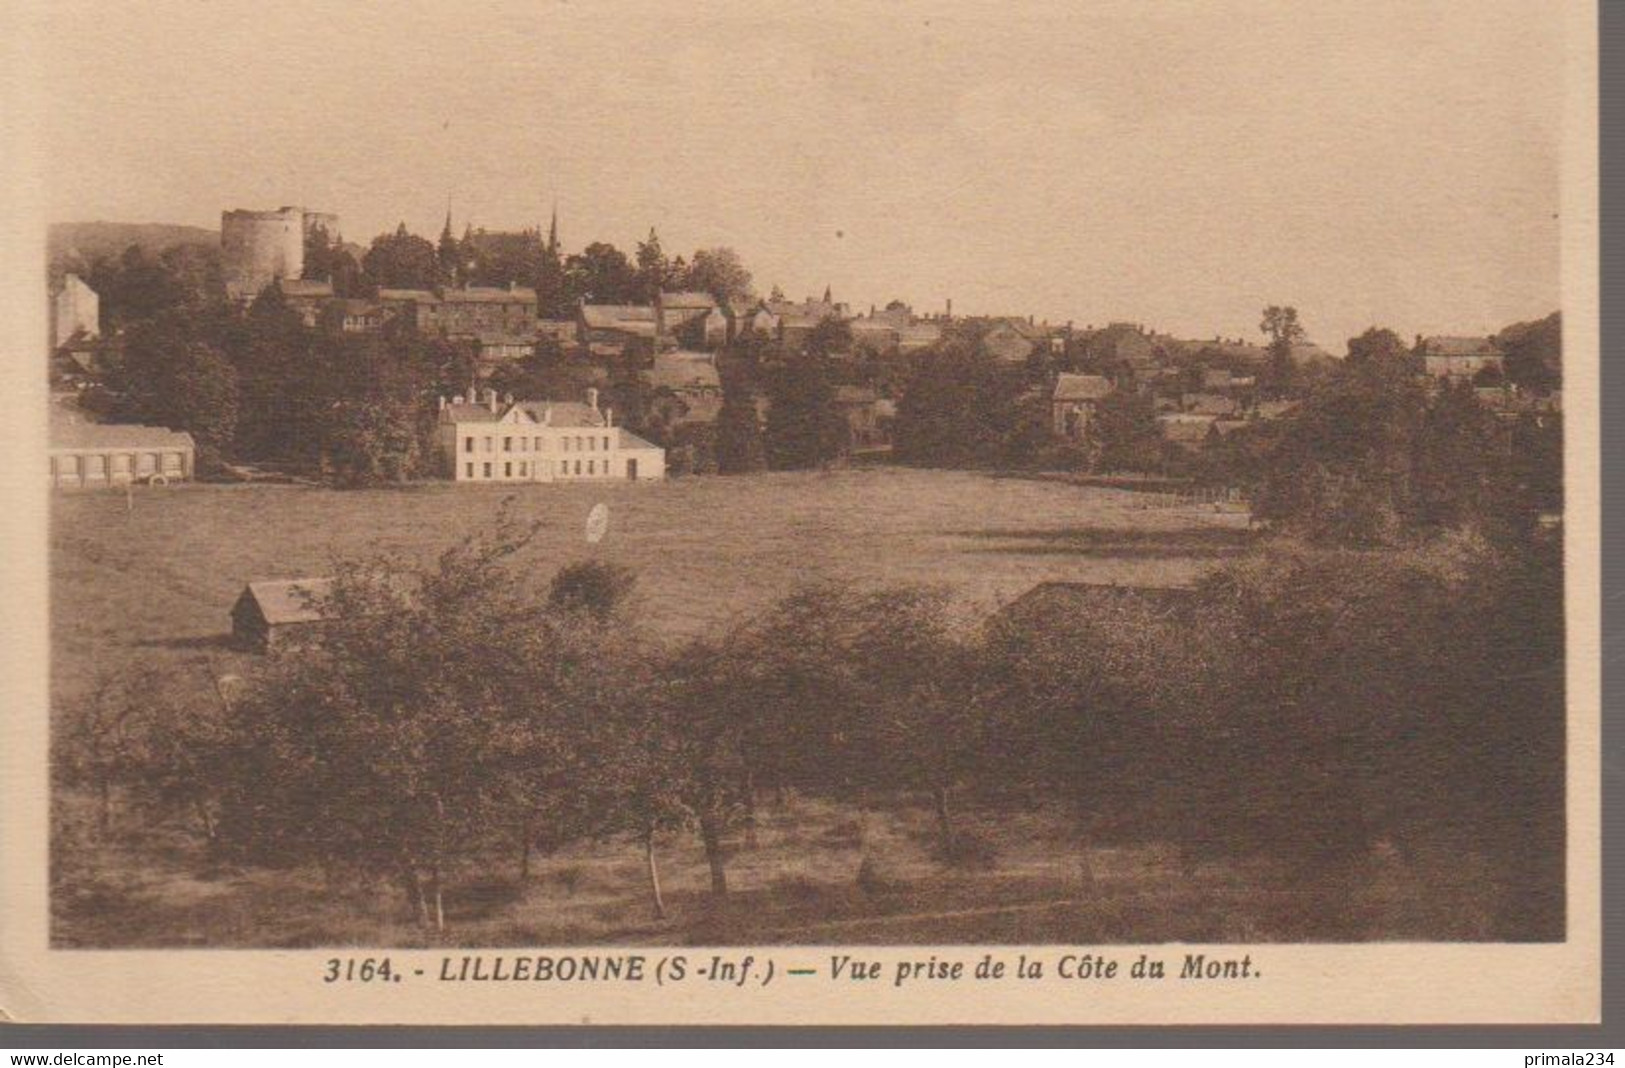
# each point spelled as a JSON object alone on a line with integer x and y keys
{"x": 558, "y": 475}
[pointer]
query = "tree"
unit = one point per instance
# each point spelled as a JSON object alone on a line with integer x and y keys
{"x": 1534, "y": 353}
{"x": 1123, "y": 431}
{"x": 959, "y": 409}
{"x": 804, "y": 428}
{"x": 921, "y": 724}
{"x": 654, "y": 269}
{"x": 402, "y": 260}
{"x": 1378, "y": 345}
{"x": 1280, "y": 373}
{"x": 327, "y": 260}
{"x": 593, "y": 588}
{"x": 435, "y": 716}
{"x": 739, "y": 446}
{"x": 601, "y": 274}
{"x": 720, "y": 272}
{"x": 167, "y": 377}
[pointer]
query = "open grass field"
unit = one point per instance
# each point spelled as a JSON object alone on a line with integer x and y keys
{"x": 155, "y": 585}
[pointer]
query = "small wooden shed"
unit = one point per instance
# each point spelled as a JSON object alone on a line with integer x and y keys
{"x": 273, "y": 614}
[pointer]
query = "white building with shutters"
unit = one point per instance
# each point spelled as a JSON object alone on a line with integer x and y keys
{"x": 491, "y": 439}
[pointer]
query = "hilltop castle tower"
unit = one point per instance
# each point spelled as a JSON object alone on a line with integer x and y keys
{"x": 258, "y": 247}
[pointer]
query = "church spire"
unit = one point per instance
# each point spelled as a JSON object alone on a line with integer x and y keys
{"x": 553, "y": 230}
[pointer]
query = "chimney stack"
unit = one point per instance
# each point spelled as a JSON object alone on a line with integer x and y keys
{"x": 609, "y": 416}
{"x": 950, "y": 314}
{"x": 592, "y": 397}
{"x": 442, "y": 401}
{"x": 491, "y": 399}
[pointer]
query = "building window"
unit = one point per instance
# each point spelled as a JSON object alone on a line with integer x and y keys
{"x": 538, "y": 445}
{"x": 490, "y": 444}
{"x": 523, "y": 470}
{"x": 507, "y": 470}
{"x": 590, "y": 466}
{"x": 566, "y": 444}
{"x": 468, "y": 468}
{"x": 606, "y": 443}
{"x": 507, "y": 444}
{"x": 592, "y": 443}
{"x": 468, "y": 445}
{"x": 487, "y": 470}
{"x": 578, "y": 467}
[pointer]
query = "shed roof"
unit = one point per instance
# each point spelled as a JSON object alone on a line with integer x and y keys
{"x": 290, "y": 600}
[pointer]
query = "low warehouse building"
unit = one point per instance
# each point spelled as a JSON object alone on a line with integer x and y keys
{"x": 85, "y": 454}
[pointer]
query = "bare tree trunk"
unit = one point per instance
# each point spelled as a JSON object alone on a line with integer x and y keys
{"x": 104, "y": 819}
{"x": 654, "y": 872}
{"x": 711, "y": 837}
{"x": 414, "y": 895}
{"x": 945, "y": 823}
{"x": 439, "y": 899}
{"x": 750, "y": 809}
{"x": 202, "y": 808}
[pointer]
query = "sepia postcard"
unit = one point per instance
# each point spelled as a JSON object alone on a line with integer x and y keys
{"x": 919, "y": 513}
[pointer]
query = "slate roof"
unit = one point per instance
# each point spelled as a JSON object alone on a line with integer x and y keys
{"x": 304, "y": 287}
{"x": 1048, "y": 599}
{"x": 563, "y": 413}
{"x": 489, "y": 295}
{"x": 1073, "y": 387}
{"x": 1459, "y": 346}
{"x": 1209, "y": 404}
{"x": 415, "y": 296}
{"x": 617, "y": 316}
{"x": 71, "y": 433}
{"x": 684, "y": 370}
{"x": 629, "y": 440}
{"x": 689, "y": 299}
{"x": 283, "y": 601}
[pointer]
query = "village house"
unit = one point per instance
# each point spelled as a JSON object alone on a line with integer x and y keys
{"x": 1014, "y": 340}
{"x": 690, "y": 319}
{"x": 416, "y": 308}
{"x": 305, "y": 297}
{"x": 687, "y": 387}
{"x": 1456, "y": 358}
{"x": 83, "y": 454}
{"x": 1185, "y": 429}
{"x": 487, "y": 439}
{"x": 476, "y": 311}
{"x": 608, "y": 330}
{"x": 1214, "y": 404}
{"x": 274, "y": 615}
{"x": 867, "y": 426}
{"x": 75, "y": 312}
{"x": 794, "y": 323}
{"x": 1073, "y": 402}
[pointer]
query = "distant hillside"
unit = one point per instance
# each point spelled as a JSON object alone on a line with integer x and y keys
{"x": 89, "y": 240}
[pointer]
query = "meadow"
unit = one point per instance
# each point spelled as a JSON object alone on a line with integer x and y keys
{"x": 152, "y": 578}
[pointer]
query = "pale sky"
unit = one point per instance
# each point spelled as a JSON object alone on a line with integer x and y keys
{"x": 1177, "y": 164}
